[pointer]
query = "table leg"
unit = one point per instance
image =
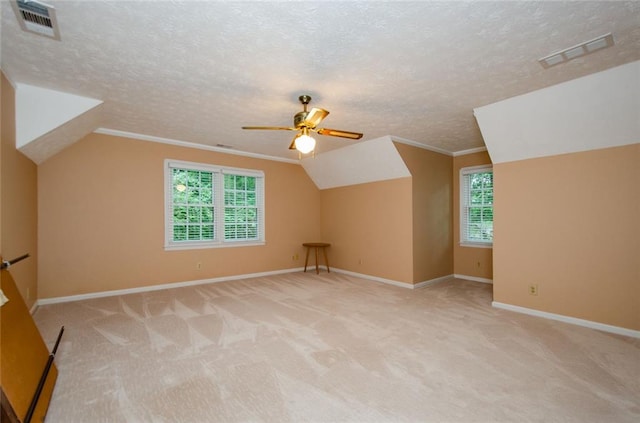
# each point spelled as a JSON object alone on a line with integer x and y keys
{"x": 306, "y": 260}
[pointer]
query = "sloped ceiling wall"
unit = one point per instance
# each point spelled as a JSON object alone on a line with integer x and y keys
{"x": 596, "y": 111}
{"x": 47, "y": 121}
{"x": 367, "y": 161}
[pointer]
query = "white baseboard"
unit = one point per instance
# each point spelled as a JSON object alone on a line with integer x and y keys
{"x": 432, "y": 281}
{"x": 70, "y": 298}
{"x": 532, "y": 312}
{"x": 56, "y": 300}
{"x": 391, "y": 281}
{"x": 567, "y": 319}
{"x": 473, "y": 278}
{"x": 312, "y": 268}
{"x": 373, "y": 278}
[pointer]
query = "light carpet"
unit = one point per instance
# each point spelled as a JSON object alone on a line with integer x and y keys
{"x": 302, "y": 347}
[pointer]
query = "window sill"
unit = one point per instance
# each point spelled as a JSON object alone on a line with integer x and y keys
{"x": 477, "y": 244}
{"x": 202, "y": 246}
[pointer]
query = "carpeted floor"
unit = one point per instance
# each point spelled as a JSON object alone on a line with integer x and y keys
{"x": 331, "y": 348}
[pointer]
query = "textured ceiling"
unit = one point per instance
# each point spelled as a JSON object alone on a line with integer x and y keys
{"x": 198, "y": 71}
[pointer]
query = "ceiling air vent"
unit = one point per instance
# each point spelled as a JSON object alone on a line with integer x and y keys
{"x": 570, "y": 53}
{"x": 37, "y": 17}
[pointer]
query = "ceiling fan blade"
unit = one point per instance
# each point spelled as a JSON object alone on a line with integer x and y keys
{"x": 315, "y": 116}
{"x": 339, "y": 133}
{"x": 269, "y": 128}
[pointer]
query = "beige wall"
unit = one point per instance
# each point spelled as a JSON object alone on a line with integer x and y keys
{"x": 432, "y": 231}
{"x": 370, "y": 229}
{"x": 19, "y": 203}
{"x": 101, "y": 218}
{"x": 468, "y": 261}
{"x": 570, "y": 225}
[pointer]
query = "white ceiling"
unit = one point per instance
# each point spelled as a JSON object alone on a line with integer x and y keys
{"x": 198, "y": 71}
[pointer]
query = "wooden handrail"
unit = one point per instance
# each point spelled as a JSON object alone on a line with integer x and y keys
{"x": 6, "y": 264}
{"x": 43, "y": 379}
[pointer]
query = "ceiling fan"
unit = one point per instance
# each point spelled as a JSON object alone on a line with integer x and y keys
{"x": 306, "y": 122}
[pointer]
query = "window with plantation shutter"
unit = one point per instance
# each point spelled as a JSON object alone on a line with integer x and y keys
{"x": 476, "y": 206}
{"x": 212, "y": 206}
{"x": 241, "y": 211}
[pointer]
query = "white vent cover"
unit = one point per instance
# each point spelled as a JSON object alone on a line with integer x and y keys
{"x": 576, "y": 51}
{"x": 39, "y": 18}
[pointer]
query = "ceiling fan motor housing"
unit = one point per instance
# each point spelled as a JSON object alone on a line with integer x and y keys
{"x": 299, "y": 119}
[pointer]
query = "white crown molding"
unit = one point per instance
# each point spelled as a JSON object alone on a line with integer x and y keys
{"x": 469, "y": 151}
{"x": 567, "y": 319}
{"x": 186, "y": 144}
{"x": 436, "y": 149}
{"x": 420, "y": 145}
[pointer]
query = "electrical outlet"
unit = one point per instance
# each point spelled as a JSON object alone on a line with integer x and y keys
{"x": 294, "y": 257}
{"x": 199, "y": 265}
{"x": 533, "y": 289}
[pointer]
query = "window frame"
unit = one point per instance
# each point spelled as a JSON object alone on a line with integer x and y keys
{"x": 218, "y": 189}
{"x": 464, "y": 197}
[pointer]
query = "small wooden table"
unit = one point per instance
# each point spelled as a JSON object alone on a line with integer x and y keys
{"x": 316, "y": 246}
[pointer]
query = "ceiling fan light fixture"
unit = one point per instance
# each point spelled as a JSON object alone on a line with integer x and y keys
{"x": 306, "y": 122}
{"x": 304, "y": 142}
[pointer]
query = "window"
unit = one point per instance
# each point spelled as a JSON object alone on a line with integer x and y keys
{"x": 240, "y": 207}
{"x": 476, "y": 206}
{"x": 212, "y": 206}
